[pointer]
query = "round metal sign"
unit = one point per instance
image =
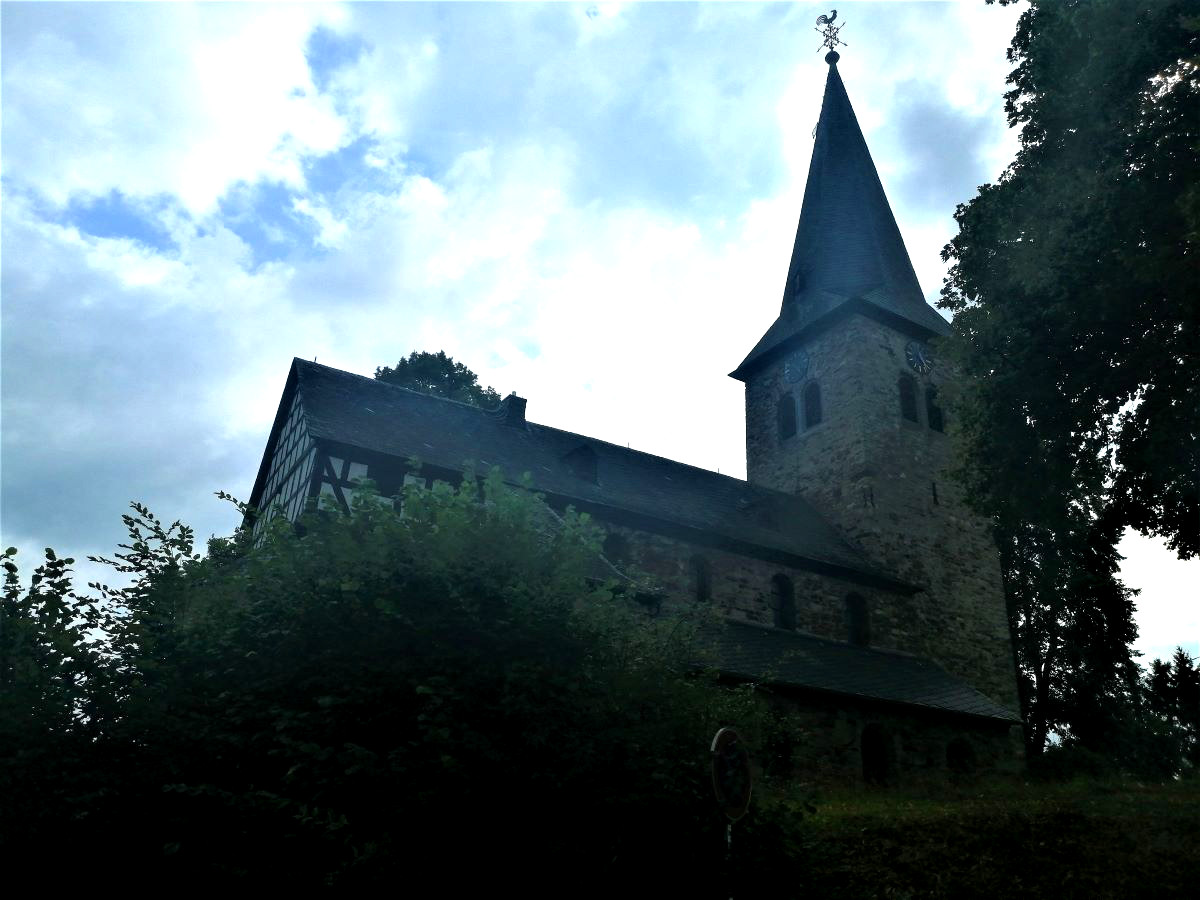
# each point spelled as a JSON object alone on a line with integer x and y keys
{"x": 733, "y": 779}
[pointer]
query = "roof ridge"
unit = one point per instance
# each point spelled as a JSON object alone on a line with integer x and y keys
{"x": 396, "y": 387}
{"x": 694, "y": 498}
{"x": 742, "y": 482}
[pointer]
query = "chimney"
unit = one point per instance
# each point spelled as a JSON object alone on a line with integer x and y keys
{"x": 512, "y": 410}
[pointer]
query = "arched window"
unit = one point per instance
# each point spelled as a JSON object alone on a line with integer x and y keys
{"x": 875, "y": 744}
{"x": 616, "y": 548}
{"x": 858, "y": 621}
{"x": 933, "y": 412}
{"x": 785, "y": 414}
{"x": 702, "y": 578}
{"x": 908, "y": 397}
{"x": 784, "y": 597}
{"x": 812, "y": 405}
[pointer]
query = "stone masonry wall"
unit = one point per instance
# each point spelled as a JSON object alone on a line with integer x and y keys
{"x": 882, "y": 480}
{"x": 828, "y": 747}
{"x": 741, "y": 589}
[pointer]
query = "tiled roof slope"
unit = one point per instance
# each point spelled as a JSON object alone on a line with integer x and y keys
{"x": 806, "y": 661}
{"x": 848, "y": 247}
{"x": 373, "y": 415}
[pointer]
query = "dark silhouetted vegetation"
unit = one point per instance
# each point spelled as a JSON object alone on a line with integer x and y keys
{"x": 440, "y": 694}
{"x": 440, "y": 375}
{"x": 1073, "y": 291}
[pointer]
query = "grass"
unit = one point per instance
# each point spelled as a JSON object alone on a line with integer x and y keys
{"x": 1005, "y": 839}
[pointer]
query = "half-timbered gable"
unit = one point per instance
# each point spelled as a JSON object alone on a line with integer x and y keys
{"x": 285, "y": 476}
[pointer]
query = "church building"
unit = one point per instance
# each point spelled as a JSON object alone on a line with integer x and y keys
{"x": 851, "y": 577}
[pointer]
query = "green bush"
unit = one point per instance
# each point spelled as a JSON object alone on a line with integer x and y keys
{"x": 444, "y": 691}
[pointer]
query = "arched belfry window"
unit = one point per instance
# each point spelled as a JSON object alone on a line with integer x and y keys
{"x": 933, "y": 412}
{"x": 785, "y": 415}
{"x": 812, "y": 405}
{"x": 784, "y": 602}
{"x": 908, "y": 397}
{"x": 701, "y": 578}
{"x": 858, "y": 621}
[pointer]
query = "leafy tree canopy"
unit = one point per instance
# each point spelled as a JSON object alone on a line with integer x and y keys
{"x": 440, "y": 375}
{"x": 1073, "y": 291}
{"x": 1074, "y": 277}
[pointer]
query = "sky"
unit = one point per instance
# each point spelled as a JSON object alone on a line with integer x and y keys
{"x": 589, "y": 204}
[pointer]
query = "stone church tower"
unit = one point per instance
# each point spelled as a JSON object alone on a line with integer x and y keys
{"x": 842, "y": 408}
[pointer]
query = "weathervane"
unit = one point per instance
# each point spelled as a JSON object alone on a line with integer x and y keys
{"x": 829, "y": 33}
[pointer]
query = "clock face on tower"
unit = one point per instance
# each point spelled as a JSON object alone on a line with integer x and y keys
{"x": 796, "y": 366}
{"x": 919, "y": 357}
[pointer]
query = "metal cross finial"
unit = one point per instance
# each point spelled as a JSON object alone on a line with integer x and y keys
{"x": 829, "y": 32}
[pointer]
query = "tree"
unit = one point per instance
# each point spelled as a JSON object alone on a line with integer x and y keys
{"x": 1172, "y": 690}
{"x": 1073, "y": 291}
{"x": 1073, "y": 278}
{"x": 440, "y": 375}
{"x": 50, "y": 665}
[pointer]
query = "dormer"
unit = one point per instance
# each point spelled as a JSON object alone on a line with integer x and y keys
{"x": 582, "y": 463}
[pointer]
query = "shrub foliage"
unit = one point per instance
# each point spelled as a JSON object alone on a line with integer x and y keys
{"x": 443, "y": 690}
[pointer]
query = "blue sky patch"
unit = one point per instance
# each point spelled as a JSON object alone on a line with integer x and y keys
{"x": 328, "y": 51}
{"x": 347, "y": 167}
{"x": 262, "y": 215}
{"x": 115, "y": 216}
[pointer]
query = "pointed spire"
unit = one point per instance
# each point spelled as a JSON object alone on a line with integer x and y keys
{"x": 847, "y": 241}
{"x": 848, "y": 247}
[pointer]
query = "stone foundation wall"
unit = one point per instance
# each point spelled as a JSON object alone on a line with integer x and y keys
{"x": 828, "y": 746}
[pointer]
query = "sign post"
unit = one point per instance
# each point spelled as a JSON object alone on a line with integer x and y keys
{"x": 733, "y": 781}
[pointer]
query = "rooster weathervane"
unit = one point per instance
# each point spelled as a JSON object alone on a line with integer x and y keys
{"x": 829, "y": 32}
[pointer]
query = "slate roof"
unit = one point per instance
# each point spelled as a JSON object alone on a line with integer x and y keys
{"x": 848, "y": 248}
{"x": 805, "y": 661}
{"x": 375, "y": 416}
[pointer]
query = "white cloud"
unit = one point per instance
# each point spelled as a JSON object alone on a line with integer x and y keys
{"x": 379, "y": 88}
{"x": 597, "y": 21}
{"x": 332, "y": 231}
{"x": 162, "y": 99}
